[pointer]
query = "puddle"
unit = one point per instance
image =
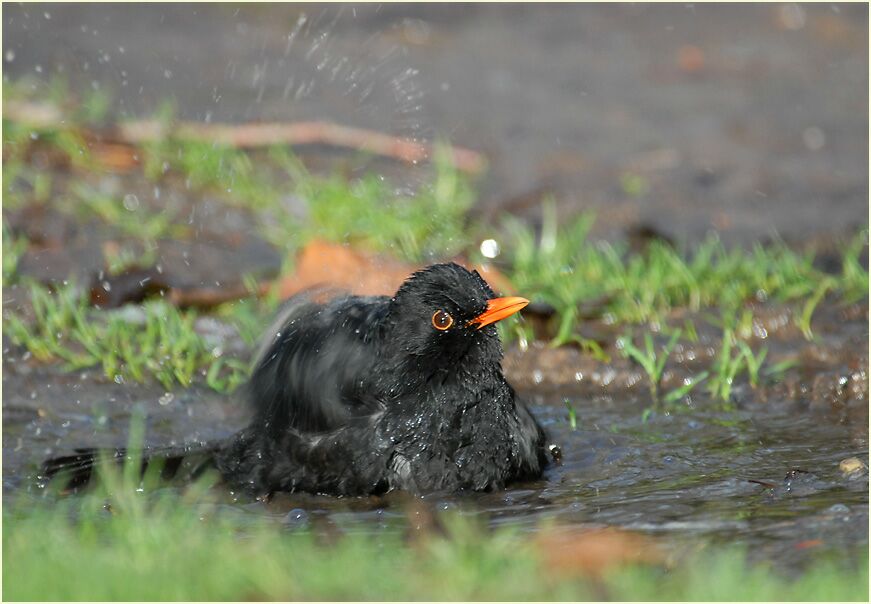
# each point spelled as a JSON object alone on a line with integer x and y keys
{"x": 765, "y": 475}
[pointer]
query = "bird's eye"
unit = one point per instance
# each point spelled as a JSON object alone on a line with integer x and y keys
{"x": 442, "y": 320}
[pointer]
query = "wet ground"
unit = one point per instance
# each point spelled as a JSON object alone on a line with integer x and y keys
{"x": 681, "y": 119}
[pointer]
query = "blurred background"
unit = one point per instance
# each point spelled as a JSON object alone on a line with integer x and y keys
{"x": 678, "y": 118}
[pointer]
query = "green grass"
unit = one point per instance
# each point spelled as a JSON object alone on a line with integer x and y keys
{"x": 557, "y": 264}
{"x": 651, "y": 361}
{"x": 734, "y": 357}
{"x": 562, "y": 267}
{"x": 367, "y": 212}
{"x": 573, "y": 416}
{"x": 159, "y": 343}
{"x": 13, "y": 248}
{"x": 125, "y": 540}
{"x": 126, "y": 214}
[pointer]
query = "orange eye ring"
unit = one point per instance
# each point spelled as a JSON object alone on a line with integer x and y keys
{"x": 442, "y": 320}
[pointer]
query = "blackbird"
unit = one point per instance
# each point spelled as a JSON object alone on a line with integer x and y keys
{"x": 364, "y": 394}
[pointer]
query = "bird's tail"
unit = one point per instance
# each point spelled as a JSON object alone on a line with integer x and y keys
{"x": 79, "y": 469}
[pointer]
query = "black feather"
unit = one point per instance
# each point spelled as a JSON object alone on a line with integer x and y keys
{"x": 360, "y": 395}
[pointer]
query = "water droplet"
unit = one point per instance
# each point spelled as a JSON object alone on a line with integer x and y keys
{"x": 166, "y": 399}
{"x": 296, "y": 517}
{"x": 47, "y": 15}
{"x": 490, "y": 248}
{"x": 131, "y": 202}
{"x": 10, "y": 55}
{"x": 38, "y": 69}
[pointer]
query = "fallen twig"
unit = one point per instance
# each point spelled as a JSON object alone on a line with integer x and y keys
{"x": 209, "y": 297}
{"x": 248, "y": 136}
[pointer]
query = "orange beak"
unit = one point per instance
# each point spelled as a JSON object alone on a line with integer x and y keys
{"x": 498, "y": 309}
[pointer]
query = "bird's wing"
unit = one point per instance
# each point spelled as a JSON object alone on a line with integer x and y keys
{"x": 314, "y": 363}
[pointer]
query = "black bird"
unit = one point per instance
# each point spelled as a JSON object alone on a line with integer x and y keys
{"x": 362, "y": 395}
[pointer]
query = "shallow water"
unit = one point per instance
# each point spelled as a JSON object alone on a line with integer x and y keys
{"x": 684, "y": 476}
{"x": 681, "y": 476}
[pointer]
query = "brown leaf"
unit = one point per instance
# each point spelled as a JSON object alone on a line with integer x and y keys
{"x": 691, "y": 59}
{"x": 591, "y": 552}
{"x": 323, "y": 264}
{"x": 330, "y": 265}
{"x": 114, "y": 157}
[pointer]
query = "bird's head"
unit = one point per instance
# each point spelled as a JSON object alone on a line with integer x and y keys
{"x": 444, "y": 315}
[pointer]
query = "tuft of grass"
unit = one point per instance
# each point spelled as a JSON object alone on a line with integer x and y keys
{"x": 651, "y": 361}
{"x": 19, "y": 139}
{"x": 689, "y": 384}
{"x": 561, "y": 267}
{"x": 13, "y": 248}
{"x": 121, "y": 258}
{"x": 573, "y": 416}
{"x": 803, "y": 320}
{"x": 728, "y": 366}
{"x": 752, "y": 361}
{"x": 854, "y": 278}
{"x": 94, "y": 107}
{"x": 367, "y": 212}
{"x": 159, "y": 342}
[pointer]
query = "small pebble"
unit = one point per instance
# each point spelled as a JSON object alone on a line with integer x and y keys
{"x": 838, "y": 508}
{"x": 853, "y": 467}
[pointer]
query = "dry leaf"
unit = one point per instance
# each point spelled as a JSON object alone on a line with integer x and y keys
{"x": 591, "y": 552}
{"x": 330, "y": 265}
